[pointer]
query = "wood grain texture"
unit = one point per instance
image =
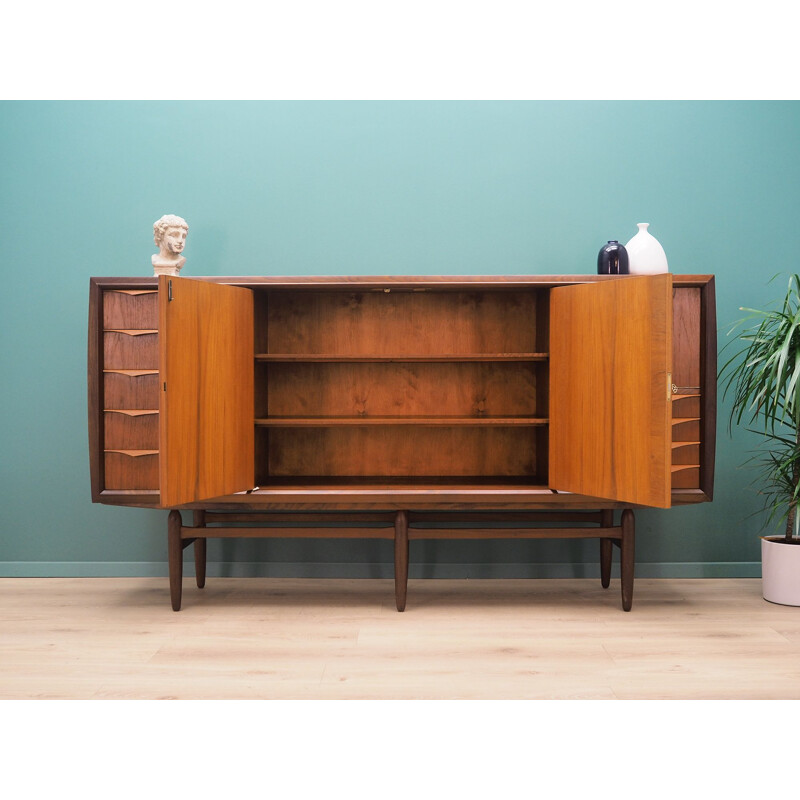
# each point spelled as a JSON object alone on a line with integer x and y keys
{"x": 383, "y": 450}
{"x": 129, "y": 471}
{"x": 316, "y": 639}
{"x": 686, "y": 337}
{"x": 365, "y": 389}
{"x": 130, "y": 350}
{"x": 206, "y": 419}
{"x": 610, "y": 356}
{"x": 127, "y": 309}
{"x": 396, "y": 323}
{"x": 131, "y": 431}
{"x": 130, "y": 389}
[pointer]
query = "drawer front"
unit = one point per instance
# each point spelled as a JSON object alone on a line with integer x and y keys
{"x": 130, "y": 391}
{"x": 131, "y": 471}
{"x": 130, "y": 350}
{"x": 685, "y": 454}
{"x": 125, "y": 309}
{"x": 685, "y": 477}
{"x": 131, "y": 431}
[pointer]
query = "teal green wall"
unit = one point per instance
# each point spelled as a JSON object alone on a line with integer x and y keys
{"x": 363, "y": 188}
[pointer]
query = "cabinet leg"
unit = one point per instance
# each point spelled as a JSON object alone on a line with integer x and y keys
{"x": 401, "y": 559}
{"x": 200, "y": 550}
{"x": 175, "y": 554}
{"x": 627, "y": 558}
{"x": 606, "y": 548}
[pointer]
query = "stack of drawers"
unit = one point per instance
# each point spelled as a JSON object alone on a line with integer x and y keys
{"x": 130, "y": 388}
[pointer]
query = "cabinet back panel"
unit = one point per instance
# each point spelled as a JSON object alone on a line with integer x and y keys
{"x": 379, "y": 323}
{"x": 401, "y": 451}
{"x": 686, "y": 337}
{"x": 394, "y": 389}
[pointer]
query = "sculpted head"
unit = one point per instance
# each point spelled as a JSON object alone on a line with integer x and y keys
{"x": 169, "y": 234}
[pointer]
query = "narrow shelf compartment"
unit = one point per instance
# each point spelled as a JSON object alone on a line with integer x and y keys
{"x": 400, "y": 358}
{"x": 325, "y": 422}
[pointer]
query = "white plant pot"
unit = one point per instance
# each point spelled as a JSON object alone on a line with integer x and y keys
{"x": 780, "y": 572}
{"x": 646, "y": 256}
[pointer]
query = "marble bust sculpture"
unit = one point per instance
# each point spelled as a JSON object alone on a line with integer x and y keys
{"x": 169, "y": 234}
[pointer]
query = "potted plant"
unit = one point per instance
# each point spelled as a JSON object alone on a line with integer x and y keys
{"x": 764, "y": 376}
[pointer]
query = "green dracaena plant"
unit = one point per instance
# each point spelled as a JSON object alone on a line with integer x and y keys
{"x": 763, "y": 376}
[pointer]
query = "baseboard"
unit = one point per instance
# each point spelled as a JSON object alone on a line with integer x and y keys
{"x": 244, "y": 569}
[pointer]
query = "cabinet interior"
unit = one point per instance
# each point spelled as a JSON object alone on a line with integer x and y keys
{"x": 401, "y": 386}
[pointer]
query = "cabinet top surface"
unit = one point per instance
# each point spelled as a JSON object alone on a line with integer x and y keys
{"x": 382, "y": 282}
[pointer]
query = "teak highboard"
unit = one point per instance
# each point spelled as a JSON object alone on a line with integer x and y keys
{"x": 402, "y": 407}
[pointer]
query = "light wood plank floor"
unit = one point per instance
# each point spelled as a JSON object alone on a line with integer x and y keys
{"x": 340, "y": 639}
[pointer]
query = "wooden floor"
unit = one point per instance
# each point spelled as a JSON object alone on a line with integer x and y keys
{"x": 341, "y": 639}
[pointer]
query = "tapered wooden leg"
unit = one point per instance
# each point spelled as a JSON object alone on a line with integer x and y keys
{"x": 606, "y": 548}
{"x": 627, "y": 558}
{"x": 401, "y": 559}
{"x": 175, "y": 554}
{"x": 200, "y": 550}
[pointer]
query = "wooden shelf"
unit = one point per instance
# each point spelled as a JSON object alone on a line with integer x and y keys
{"x": 132, "y": 412}
{"x": 438, "y": 357}
{"x": 324, "y": 422}
{"x": 132, "y": 331}
{"x": 133, "y": 373}
{"x": 134, "y": 453}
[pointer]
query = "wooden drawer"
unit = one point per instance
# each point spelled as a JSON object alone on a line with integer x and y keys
{"x": 684, "y": 453}
{"x": 125, "y": 309}
{"x": 134, "y": 470}
{"x": 686, "y": 430}
{"x": 135, "y": 430}
{"x": 683, "y": 407}
{"x": 130, "y": 389}
{"x": 685, "y": 477}
{"x": 130, "y": 350}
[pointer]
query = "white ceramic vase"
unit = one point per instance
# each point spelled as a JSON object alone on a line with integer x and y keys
{"x": 780, "y": 572}
{"x": 646, "y": 256}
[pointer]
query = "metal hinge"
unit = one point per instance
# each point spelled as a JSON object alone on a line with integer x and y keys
{"x": 169, "y": 291}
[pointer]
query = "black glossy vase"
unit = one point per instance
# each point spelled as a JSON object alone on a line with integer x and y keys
{"x": 612, "y": 259}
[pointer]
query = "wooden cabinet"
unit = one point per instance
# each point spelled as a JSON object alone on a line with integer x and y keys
{"x": 373, "y": 407}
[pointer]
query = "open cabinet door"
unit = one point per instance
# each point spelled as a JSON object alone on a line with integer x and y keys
{"x": 206, "y": 423}
{"x": 610, "y": 389}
